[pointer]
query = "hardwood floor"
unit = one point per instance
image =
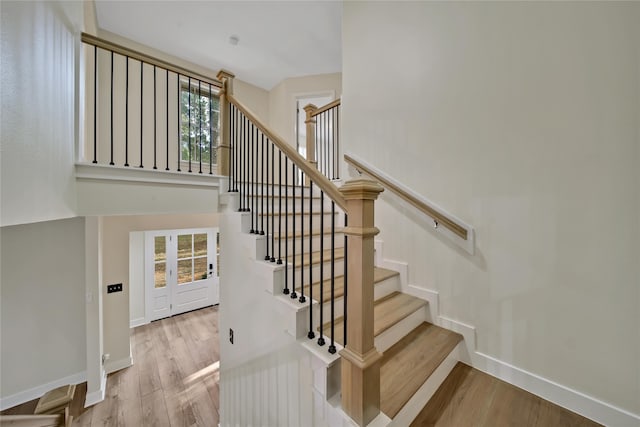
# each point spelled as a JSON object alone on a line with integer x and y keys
{"x": 469, "y": 397}
{"x": 174, "y": 379}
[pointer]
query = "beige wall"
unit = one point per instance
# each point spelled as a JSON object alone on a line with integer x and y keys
{"x": 282, "y": 99}
{"x": 38, "y": 101}
{"x": 521, "y": 119}
{"x": 115, "y": 264}
{"x": 42, "y": 318}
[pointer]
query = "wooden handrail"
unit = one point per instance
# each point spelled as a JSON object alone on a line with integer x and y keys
{"x": 319, "y": 179}
{"x": 32, "y": 420}
{"x": 324, "y": 108}
{"x": 125, "y": 51}
{"x": 411, "y": 199}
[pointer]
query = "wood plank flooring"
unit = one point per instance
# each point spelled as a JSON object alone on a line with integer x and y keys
{"x": 174, "y": 379}
{"x": 469, "y": 397}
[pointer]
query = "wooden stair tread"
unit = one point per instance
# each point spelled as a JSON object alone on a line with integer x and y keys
{"x": 315, "y": 257}
{"x": 379, "y": 275}
{"x": 387, "y": 311}
{"x": 408, "y": 363}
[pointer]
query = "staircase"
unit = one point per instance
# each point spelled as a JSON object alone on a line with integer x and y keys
{"x": 298, "y": 221}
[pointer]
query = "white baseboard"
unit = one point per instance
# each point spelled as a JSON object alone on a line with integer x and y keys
{"x": 36, "y": 392}
{"x": 116, "y": 365}
{"x": 98, "y": 395}
{"x": 134, "y": 323}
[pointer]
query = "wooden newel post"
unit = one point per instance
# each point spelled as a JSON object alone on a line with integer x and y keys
{"x": 310, "y": 121}
{"x": 360, "y": 359}
{"x": 225, "y": 144}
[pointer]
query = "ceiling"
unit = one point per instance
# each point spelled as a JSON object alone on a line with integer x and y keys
{"x": 277, "y": 40}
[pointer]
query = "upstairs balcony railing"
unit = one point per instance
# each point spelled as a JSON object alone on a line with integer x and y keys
{"x": 143, "y": 112}
{"x": 323, "y": 138}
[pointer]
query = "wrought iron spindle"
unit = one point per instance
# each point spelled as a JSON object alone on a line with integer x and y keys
{"x": 167, "y": 111}
{"x": 111, "y": 132}
{"x": 280, "y": 206}
{"x": 240, "y": 140}
{"x": 311, "y": 335}
{"x": 302, "y": 298}
{"x": 321, "y": 341}
{"x": 266, "y": 214}
{"x": 179, "y": 120}
{"x": 293, "y": 230}
{"x": 332, "y": 346}
{"x": 286, "y": 227}
{"x": 95, "y": 104}
{"x": 273, "y": 212}
{"x": 200, "y": 123}
{"x": 155, "y": 89}
{"x": 245, "y": 152}
{"x": 262, "y": 201}
{"x": 251, "y": 173}
{"x": 141, "y": 105}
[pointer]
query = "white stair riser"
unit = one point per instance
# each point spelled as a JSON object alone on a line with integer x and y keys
{"x": 302, "y": 245}
{"x": 338, "y": 268}
{"x": 388, "y": 338}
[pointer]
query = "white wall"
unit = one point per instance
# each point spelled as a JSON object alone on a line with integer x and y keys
{"x": 42, "y": 304}
{"x": 521, "y": 119}
{"x": 38, "y": 87}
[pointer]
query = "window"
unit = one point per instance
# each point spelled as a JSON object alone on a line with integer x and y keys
{"x": 200, "y": 122}
{"x": 192, "y": 257}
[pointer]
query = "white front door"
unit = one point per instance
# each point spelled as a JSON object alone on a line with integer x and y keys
{"x": 181, "y": 273}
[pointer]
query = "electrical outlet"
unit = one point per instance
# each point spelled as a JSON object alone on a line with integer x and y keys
{"x": 114, "y": 288}
{"x": 231, "y": 335}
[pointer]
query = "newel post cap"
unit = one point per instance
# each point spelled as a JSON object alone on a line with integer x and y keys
{"x": 361, "y": 189}
{"x": 224, "y": 75}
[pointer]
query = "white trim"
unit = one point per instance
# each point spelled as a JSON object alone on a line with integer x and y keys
{"x": 468, "y": 244}
{"x": 98, "y": 395}
{"x": 116, "y": 365}
{"x": 89, "y": 171}
{"x": 134, "y": 323}
{"x": 37, "y": 392}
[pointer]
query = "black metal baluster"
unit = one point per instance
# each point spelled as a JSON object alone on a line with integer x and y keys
{"x": 245, "y": 138}
{"x": 241, "y": 161}
{"x": 293, "y": 229}
{"x": 336, "y": 145}
{"x": 344, "y": 339}
{"x": 167, "y": 111}
{"x": 189, "y": 107}
{"x": 200, "y": 123}
{"x": 280, "y": 206}
{"x": 311, "y": 335}
{"x": 321, "y": 337}
{"x": 328, "y": 144}
{"x": 95, "y": 104}
{"x": 141, "y": 103}
{"x": 332, "y": 347}
{"x": 126, "y": 114}
{"x": 266, "y": 185}
{"x": 211, "y": 133}
{"x": 111, "y": 161}
{"x": 232, "y": 146}
{"x": 251, "y": 184}
{"x": 273, "y": 195}
{"x": 179, "y": 120}
{"x": 286, "y": 228}
{"x": 302, "y": 298}
{"x": 255, "y": 176}
{"x": 155, "y": 89}
{"x": 262, "y": 169}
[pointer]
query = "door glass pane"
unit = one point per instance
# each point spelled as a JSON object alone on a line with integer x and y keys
{"x": 160, "y": 248}
{"x": 160, "y": 278}
{"x": 200, "y": 244}
{"x": 184, "y": 245}
{"x": 200, "y": 268}
{"x": 184, "y": 271}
